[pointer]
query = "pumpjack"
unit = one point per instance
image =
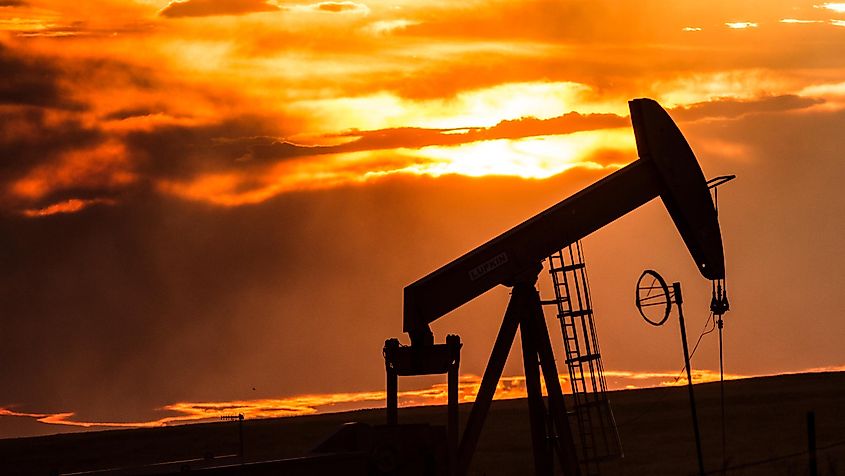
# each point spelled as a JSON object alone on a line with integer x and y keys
{"x": 666, "y": 168}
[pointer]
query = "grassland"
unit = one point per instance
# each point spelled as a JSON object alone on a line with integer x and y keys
{"x": 766, "y": 434}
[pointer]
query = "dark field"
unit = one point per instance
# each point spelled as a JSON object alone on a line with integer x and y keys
{"x": 766, "y": 433}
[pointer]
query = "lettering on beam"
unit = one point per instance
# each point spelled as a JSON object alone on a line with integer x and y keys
{"x": 488, "y": 266}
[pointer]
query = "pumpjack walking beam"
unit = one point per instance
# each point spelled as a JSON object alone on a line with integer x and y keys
{"x": 666, "y": 168}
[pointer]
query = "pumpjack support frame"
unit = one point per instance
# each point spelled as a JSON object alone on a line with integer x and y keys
{"x": 525, "y": 312}
{"x": 445, "y": 358}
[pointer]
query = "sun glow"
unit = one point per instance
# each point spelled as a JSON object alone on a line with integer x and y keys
{"x": 509, "y": 387}
{"x": 478, "y": 108}
{"x": 530, "y": 158}
{"x": 703, "y": 87}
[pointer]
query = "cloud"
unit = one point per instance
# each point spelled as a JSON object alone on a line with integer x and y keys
{"x": 383, "y": 27}
{"x": 62, "y": 154}
{"x": 799, "y": 22}
{"x": 238, "y": 159}
{"x": 56, "y": 159}
{"x": 13, "y": 3}
{"x": 44, "y": 154}
{"x": 732, "y": 108}
{"x": 231, "y": 160}
{"x": 63, "y": 162}
{"x": 739, "y": 25}
{"x": 832, "y": 6}
{"x": 72, "y": 205}
{"x": 32, "y": 81}
{"x": 82, "y": 29}
{"x": 340, "y": 7}
{"x": 129, "y": 113}
{"x": 201, "y": 8}
{"x": 173, "y": 151}
{"x": 415, "y": 137}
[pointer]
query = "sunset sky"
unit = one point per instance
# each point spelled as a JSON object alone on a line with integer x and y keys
{"x": 217, "y": 201}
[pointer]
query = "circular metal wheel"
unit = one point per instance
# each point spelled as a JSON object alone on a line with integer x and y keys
{"x": 653, "y": 299}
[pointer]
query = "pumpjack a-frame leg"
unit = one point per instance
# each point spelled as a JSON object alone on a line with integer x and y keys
{"x": 526, "y": 313}
{"x": 536, "y": 408}
{"x": 535, "y": 326}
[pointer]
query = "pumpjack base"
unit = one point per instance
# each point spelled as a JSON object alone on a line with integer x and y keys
{"x": 425, "y": 360}
{"x": 550, "y": 429}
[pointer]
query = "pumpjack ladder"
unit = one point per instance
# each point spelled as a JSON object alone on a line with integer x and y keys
{"x": 598, "y": 439}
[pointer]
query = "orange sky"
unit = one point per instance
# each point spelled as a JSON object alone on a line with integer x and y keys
{"x": 199, "y": 196}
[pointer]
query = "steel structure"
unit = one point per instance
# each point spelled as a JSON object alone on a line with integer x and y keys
{"x": 666, "y": 168}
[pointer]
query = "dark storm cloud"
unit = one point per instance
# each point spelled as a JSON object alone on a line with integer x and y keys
{"x": 30, "y": 139}
{"x": 181, "y": 151}
{"x": 32, "y": 81}
{"x": 121, "y": 114}
{"x": 201, "y": 8}
{"x": 53, "y": 151}
{"x": 42, "y": 123}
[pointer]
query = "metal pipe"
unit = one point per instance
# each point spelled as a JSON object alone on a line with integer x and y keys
{"x": 679, "y": 300}
{"x": 392, "y": 383}
{"x": 720, "y": 323}
{"x": 453, "y": 424}
{"x": 536, "y": 407}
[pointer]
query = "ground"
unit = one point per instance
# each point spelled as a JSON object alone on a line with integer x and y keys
{"x": 767, "y": 433}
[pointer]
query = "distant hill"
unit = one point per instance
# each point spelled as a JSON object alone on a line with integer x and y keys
{"x": 766, "y": 433}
